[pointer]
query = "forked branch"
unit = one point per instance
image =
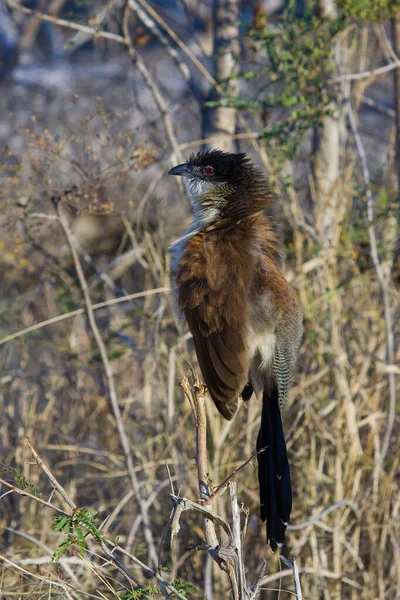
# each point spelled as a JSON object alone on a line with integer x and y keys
{"x": 227, "y": 553}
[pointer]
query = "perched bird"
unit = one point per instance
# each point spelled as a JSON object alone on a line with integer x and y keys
{"x": 243, "y": 315}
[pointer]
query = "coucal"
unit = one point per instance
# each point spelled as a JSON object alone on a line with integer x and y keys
{"x": 242, "y": 313}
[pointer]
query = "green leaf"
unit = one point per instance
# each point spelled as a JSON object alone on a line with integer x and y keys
{"x": 60, "y": 522}
{"x": 290, "y": 101}
{"x": 184, "y": 587}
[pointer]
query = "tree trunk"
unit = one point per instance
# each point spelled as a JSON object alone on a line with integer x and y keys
{"x": 396, "y": 44}
{"x": 8, "y": 41}
{"x": 221, "y": 122}
{"x": 326, "y": 163}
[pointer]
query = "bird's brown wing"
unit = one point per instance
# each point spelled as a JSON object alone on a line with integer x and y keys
{"x": 213, "y": 296}
{"x": 223, "y": 361}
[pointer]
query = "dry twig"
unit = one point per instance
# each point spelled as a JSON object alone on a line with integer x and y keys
{"x": 95, "y": 33}
{"x": 81, "y": 311}
{"x": 227, "y": 555}
{"x": 365, "y": 74}
{"x": 56, "y": 485}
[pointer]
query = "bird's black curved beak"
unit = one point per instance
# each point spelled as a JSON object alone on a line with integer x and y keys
{"x": 182, "y": 170}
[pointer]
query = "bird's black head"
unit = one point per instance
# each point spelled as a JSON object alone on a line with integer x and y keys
{"x": 214, "y": 166}
{"x": 223, "y": 184}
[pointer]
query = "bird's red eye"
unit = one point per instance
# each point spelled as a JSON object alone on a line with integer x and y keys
{"x": 209, "y": 171}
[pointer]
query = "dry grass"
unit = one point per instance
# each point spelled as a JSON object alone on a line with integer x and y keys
{"x": 57, "y": 387}
{"x": 55, "y": 391}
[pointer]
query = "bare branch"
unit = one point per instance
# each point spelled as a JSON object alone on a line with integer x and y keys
{"x": 226, "y": 482}
{"x": 51, "y": 477}
{"x": 227, "y": 555}
{"x": 151, "y": 84}
{"x": 68, "y": 24}
{"x": 80, "y": 311}
{"x": 323, "y": 513}
{"x": 145, "y": 568}
{"x": 151, "y": 25}
{"x": 186, "y": 504}
{"x": 365, "y": 74}
{"x": 12, "y": 488}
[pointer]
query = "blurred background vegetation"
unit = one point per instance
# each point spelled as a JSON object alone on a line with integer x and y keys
{"x": 97, "y": 101}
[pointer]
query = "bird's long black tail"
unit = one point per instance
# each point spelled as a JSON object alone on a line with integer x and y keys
{"x": 273, "y": 471}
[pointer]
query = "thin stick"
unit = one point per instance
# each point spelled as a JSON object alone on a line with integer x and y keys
{"x": 68, "y": 24}
{"x": 377, "y": 105}
{"x": 51, "y": 477}
{"x": 237, "y": 540}
{"x": 319, "y": 516}
{"x": 17, "y": 490}
{"x": 297, "y": 584}
{"x": 366, "y": 74}
{"x": 222, "y": 486}
{"x": 80, "y": 311}
{"x": 151, "y": 84}
{"x": 186, "y": 50}
{"x": 145, "y": 568}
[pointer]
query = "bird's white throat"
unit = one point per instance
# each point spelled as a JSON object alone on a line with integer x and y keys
{"x": 205, "y": 211}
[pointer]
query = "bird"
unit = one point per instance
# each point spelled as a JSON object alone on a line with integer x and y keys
{"x": 243, "y": 315}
